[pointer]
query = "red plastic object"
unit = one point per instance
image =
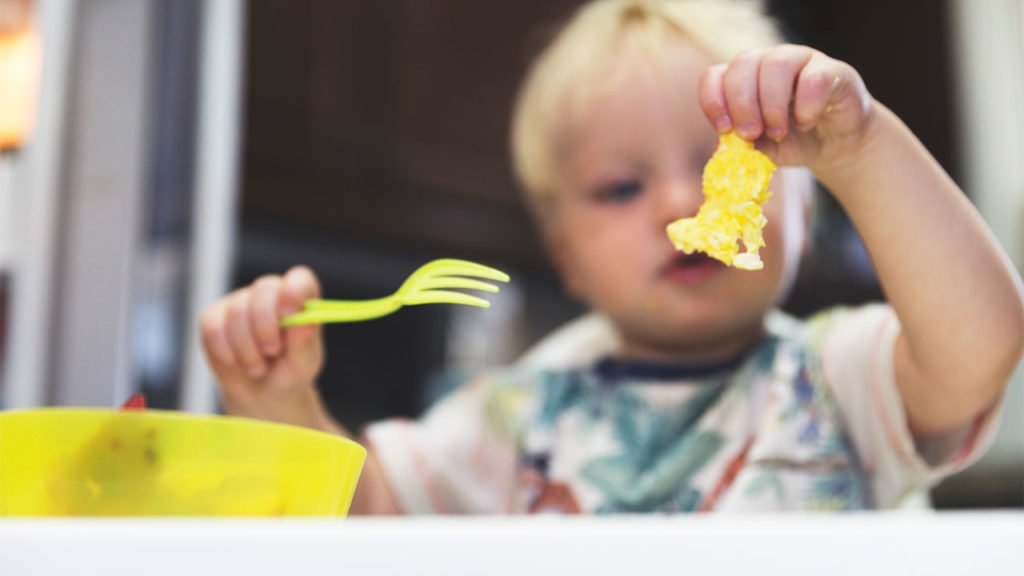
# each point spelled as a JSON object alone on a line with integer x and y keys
{"x": 135, "y": 402}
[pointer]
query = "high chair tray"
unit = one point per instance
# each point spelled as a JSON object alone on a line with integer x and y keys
{"x": 862, "y": 544}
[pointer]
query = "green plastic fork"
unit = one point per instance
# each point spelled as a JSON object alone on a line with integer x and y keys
{"x": 429, "y": 284}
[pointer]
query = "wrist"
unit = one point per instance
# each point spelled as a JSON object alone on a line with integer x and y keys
{"x": 326, "y": 423}
{"x": 315, "y": 414}
{"x": 861, "y": 153}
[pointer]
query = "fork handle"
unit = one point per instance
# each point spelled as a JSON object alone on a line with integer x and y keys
{"x": 327, "y": 311}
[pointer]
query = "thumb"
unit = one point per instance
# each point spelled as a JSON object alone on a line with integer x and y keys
{"x": 302, "y": 343}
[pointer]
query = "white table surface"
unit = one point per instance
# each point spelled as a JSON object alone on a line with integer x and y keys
{"x": 866, "y": 544}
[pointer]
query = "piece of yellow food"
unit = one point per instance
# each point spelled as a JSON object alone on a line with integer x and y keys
{"x": 735, "y": 186}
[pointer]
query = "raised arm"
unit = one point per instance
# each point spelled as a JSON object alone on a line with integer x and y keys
{"x": 955, "y": 292}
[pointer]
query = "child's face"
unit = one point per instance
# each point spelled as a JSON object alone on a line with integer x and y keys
{"x": 632, "y": 163}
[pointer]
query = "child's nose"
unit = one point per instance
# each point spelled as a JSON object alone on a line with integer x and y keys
{"x": 680, "y": 199}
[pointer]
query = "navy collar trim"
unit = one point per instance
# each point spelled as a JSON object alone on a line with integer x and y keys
{"x": 614, "y": 369}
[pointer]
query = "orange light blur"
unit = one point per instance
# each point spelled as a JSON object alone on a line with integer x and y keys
{"x": 20, "y": 62}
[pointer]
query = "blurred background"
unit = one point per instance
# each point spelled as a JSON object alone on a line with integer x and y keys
{"x": 158, "y": 153}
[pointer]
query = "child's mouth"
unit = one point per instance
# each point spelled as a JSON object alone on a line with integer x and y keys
{"x": 691, "y": 268}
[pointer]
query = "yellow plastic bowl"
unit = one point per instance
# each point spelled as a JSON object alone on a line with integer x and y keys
{"x": 82, "y": 462}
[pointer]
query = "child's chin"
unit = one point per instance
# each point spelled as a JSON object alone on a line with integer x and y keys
{"x": 709, "y": 318}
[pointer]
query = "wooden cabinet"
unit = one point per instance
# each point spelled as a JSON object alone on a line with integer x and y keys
{"x": 388, "y": 119}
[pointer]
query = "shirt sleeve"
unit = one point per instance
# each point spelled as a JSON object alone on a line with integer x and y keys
{"x": 857, "y": 353}
{"x": 460, "y": 457}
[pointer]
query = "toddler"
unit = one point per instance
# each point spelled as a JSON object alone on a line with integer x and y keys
{"x": 710, "y": 398}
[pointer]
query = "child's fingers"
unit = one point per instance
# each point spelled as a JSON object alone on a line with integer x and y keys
{"x": 740, "y": 84}
{"x": 213, "y": 333}
{"x": 299, "y": 285}
{"x": 712, "y": 98}
{"x": 779, "y": 70}
{"x": 815, "y": 86}
{"x": 263, "y": 314}
{"x": 240, "y": 334}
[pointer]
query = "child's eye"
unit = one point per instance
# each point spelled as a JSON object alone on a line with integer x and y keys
{"x": 620, "y": 192}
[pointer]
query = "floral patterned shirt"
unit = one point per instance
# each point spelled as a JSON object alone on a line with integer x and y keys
{"x": 809, "y": 419}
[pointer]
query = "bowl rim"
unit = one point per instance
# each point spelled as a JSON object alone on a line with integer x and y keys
{"x": 179, "y": 416}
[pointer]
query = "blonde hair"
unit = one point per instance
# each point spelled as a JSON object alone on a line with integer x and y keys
{"x": 582, "y": 58}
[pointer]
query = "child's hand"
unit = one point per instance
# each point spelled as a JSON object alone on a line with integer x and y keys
{"x": 264, "y": 371}
{"x": 802, "y": 107}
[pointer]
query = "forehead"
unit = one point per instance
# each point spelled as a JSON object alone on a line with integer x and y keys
{"x": 644, "y": 95}
{"x": 638, "y": 65}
